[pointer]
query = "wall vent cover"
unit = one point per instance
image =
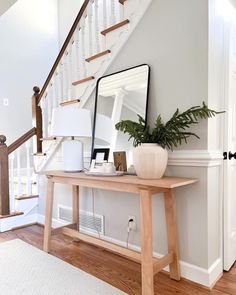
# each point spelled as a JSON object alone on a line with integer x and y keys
{"x": 90, "y": 222}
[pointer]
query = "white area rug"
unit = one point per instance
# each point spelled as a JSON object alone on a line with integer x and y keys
{"x": 26, "y": 270}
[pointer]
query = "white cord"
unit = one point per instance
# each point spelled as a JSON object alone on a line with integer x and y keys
{"x": 127, "y": 238}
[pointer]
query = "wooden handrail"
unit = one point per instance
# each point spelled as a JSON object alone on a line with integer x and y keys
{"x": 4, "y": 177}
{"x": 21, "y": 140}
{"x": 63, "y": 49}
{"x": 37, "y": 120}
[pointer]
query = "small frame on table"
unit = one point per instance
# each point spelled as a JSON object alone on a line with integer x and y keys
{"x": 100, "y": 155}
{"x": 120, "y": 161}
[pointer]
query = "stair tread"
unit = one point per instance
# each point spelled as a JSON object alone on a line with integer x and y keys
{"x": 83, "y": 80}
{"x": 68, "y": 102}
{"x": 39, "y": 154}
{"x": 48, "y": 138}
{"x": 100, "y": 54}
{"x": 26, "y": 197}
{"x": 11, "y": 215}
{"x": 114, "y": 27}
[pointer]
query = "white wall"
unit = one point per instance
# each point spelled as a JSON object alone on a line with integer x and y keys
{"x": 67, "y": 13}
{"x": 29, "y": 45}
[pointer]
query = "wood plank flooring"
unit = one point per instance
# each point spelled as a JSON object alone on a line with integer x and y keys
{"x": 117, "y": 271}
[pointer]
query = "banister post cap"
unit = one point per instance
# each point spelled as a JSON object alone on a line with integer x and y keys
{"x": 36, "y": 90}
{"x": 2, "y": 140}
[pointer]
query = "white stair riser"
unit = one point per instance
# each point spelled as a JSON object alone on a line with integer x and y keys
{"x": 7, "y": 224}
{"x": 26, "y": 205}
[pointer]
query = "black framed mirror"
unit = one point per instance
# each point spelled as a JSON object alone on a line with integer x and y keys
{"x": 119, "y": 96}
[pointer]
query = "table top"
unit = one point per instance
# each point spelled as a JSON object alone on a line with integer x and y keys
{"x": 164, "y": 182}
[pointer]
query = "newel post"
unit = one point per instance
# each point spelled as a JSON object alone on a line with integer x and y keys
{"x": 4, "y": 177}
{"x": 37, "y": 119}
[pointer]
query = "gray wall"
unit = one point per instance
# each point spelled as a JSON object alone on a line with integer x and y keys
{"x": 173, "y": 39}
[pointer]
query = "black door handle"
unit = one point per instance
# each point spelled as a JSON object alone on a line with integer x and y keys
{"x": 225, "y": 155}
{"x": 231, "y": 155}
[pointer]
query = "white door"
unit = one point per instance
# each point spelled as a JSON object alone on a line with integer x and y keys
{"x": 230, "y": 146}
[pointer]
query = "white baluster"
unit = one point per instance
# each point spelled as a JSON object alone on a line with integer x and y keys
{"x": 90, "y": 30}
{"x": 44, "y": 115}
{"x": 121, "y": 12}
{"x": 57, "y": 88}
{"x": 65, "y": 76}
{"x": 54, "y": 92}
{"x": 96, "y": 23}
{"x": 104, "y": 14}
{"x": 19, "y": 184}
{"x": 12, "y": 184}
{"x": 112, "y": 15}
{"x": 83, "y": 47}
{"x": 77, "y": 72}
{"x": 70, "y": 70}
{"x": 28, "y": 169}
{"x": 61, "y": 76}
{"x": 49, "y": 107}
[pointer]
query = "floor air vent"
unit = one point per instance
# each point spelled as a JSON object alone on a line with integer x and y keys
{"x": 93, "y": 223}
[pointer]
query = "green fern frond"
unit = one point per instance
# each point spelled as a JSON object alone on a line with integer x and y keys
{"x": 168, "y": 135}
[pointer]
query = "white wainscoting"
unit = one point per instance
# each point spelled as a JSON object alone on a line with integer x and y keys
{"x": 200, "y": 158}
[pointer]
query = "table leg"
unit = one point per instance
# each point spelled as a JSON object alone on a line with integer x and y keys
{"x": 75, "y": 205}
{"x": 146, "y": 242}
{"x": 172, "y": 233}
{"x": 48, "y": 215}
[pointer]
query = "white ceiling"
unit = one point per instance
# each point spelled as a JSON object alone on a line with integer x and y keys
{"x": 5, "y": 4}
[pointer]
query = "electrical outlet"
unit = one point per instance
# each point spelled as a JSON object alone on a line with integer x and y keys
{"x": 132, "y": 224}
{"x": 6, "y": 102}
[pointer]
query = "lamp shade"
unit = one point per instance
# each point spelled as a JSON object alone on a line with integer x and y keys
{"x": 71, "y": 121}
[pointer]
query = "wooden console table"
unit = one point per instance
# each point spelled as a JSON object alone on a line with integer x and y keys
{"x": 132, "y": 184}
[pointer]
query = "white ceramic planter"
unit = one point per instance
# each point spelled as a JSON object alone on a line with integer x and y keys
{"x": 150, "y": 160}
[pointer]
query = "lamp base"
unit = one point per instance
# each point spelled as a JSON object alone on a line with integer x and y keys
{"x": 73, "y": 156}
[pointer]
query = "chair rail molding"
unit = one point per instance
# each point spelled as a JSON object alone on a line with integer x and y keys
{"x": 200, "y": 158}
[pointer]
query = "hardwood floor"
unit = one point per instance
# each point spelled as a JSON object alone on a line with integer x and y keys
{"x": 117, "y": 271}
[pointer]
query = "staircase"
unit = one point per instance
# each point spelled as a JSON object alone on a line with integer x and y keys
{"x": 100, "y": 30}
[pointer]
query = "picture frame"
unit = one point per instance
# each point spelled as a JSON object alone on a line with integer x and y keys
{"x": 100, "y": 155}
{"x": 120, "y": 161}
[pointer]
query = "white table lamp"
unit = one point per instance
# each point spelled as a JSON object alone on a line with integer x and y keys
{"x": 72, "y": 122}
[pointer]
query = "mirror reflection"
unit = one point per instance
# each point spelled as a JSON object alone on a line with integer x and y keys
{"x": 119, "y": 96}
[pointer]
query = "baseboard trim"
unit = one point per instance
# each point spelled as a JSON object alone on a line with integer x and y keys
{"x": 55, "y": 223}
{"x": 7, "y": 224}
{"x": 199, "y": 275}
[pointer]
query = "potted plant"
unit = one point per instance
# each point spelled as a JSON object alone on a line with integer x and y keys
{"x": 150, "y": 154}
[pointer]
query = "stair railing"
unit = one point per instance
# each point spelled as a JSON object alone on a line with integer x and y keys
{"x": 83, "y": 42}
{"x": 53, "y": 86}
{"x": 12, "y": 152}
{"x": 72, "y": 63}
